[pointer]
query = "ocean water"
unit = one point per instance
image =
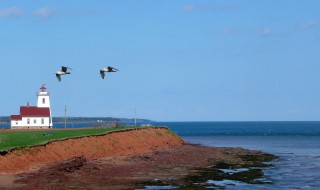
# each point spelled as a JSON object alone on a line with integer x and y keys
{"x": 296, "y": 143}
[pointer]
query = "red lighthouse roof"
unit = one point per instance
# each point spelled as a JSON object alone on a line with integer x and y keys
{"x": 43, "y": 88}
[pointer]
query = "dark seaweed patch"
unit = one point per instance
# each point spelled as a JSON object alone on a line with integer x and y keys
{"x": 259, "y": 158}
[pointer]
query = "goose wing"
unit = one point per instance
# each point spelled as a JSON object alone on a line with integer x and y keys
{"x": 58, "y": 77}
{"x": 102, "y": 74}
{"x": 112, "y": 69}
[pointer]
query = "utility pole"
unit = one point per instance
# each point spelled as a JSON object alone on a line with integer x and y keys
{"x": 135, "y": 117}
{"x": 65, "y": 116}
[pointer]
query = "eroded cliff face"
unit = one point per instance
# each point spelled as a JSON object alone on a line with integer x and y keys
{"x": 123, "y": 143}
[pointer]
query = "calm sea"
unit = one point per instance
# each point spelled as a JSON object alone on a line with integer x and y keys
{"x": 296, "y": 143}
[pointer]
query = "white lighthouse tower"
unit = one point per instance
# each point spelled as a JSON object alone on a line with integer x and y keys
{"x": 44, "y": 100}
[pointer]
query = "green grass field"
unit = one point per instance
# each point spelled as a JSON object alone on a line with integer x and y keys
{"x": 18, "y": 139}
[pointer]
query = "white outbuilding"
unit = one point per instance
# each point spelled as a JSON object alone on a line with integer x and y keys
{"x": 34, "y": 117}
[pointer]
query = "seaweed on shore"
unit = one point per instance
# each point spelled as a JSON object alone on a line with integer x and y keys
{"x": 259, "y": 160}
{"x": 252, "y": 163}
{"x": 263, "y": 157}
{"x": 249, "y": 169}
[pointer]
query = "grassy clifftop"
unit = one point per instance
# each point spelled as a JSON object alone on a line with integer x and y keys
{"x": 119, "y": 142}
{"x": 13, "y": 139}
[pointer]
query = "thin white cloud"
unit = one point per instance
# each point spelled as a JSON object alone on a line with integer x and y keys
{"x": 227, "y": 32}
{"x": 309, "y": 24}
{"x": 193, "y": 7}
{"x": 10, "y": 12}
{"x": 266, "y": 32}
{"x": 189, "y": 8}
{"x": 44, "y": 12}
{"x": 224, "y": 7}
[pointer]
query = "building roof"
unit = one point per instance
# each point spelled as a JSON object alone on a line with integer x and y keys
{"x": 33, "y": 111}
{"x": 16, "y": 117}
{"x": 43, "y": 87}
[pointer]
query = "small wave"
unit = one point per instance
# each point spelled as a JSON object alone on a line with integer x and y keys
{"x": 225, "y": 182}
{"x": 233, "y": 171}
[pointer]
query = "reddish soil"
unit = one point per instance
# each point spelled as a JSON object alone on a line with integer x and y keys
{"x": 122, "y": 160}
{"x": 92, "y": 147}
{"x": 168, "y": 166}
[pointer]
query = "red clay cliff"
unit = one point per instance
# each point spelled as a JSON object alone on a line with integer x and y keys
{"x": 91, "y": 147}
{"x": 125, "y": 160}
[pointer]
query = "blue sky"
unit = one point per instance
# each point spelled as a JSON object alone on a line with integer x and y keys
{"x": 178, "y": 60}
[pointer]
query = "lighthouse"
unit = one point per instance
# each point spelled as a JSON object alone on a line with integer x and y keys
{"x": 44, "y": 101}
{"x": 43, "y": 98}
{"x": 34, "y": 117}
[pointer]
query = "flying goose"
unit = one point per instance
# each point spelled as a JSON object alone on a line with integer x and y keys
{"x": 108, "y": 69}
{"x": 63, "y": 71}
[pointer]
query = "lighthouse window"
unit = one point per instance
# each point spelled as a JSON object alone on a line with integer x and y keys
{"x": 43, "y": 100}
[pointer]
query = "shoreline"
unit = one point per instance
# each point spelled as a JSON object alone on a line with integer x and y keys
{"x": 185, "y": 166}
{"x": 129, "y": 159}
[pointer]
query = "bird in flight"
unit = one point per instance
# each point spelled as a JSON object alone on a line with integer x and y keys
{"x": 63, "y": 71}
{"x": 108, "y": 69}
